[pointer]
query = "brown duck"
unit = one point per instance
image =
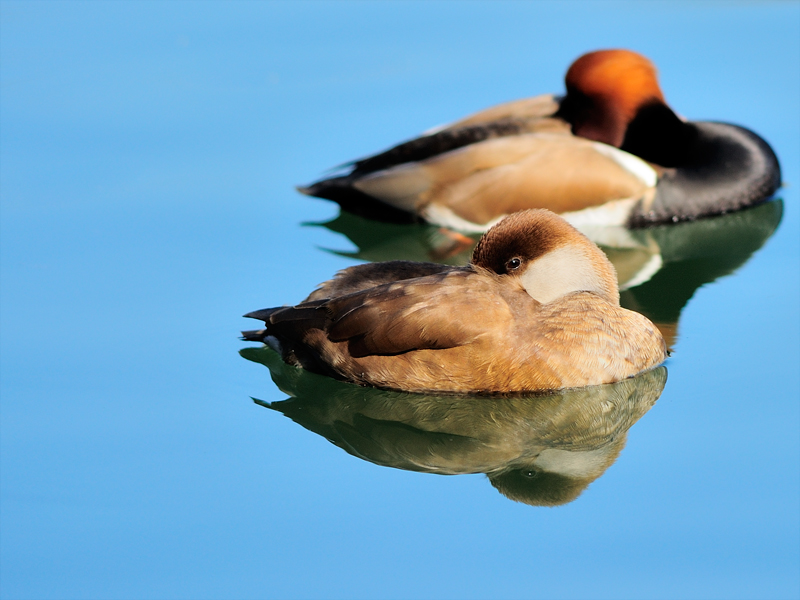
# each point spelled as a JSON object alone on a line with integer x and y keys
{"x": 536, "y": 309}
{"x": 609, "y": 152}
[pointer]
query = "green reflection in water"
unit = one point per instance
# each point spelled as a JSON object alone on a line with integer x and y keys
{"x": 542, "y": 449}
{"x": 694, "y": 254}
{"x": 658, "y": 268}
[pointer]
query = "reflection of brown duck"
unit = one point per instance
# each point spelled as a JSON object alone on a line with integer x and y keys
{"x": 658, "y": 268}
{"x": 582, "y": 155}
{"x": 541, "y": 450}
{"x": 538, "y": 308}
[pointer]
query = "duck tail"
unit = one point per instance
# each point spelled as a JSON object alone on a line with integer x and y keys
{"x": 254, "y": 335}
{"x": 258, "y": 335}
{"x": 354, "y": 201}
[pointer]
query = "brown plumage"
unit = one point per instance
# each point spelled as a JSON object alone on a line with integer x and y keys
{"x": 609, "y": 152}
{"x": 536, "y": 309}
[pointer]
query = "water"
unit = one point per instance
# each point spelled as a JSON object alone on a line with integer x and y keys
{"x": 148, "y": 154}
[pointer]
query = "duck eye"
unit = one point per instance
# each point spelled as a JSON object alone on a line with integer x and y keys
{"x": 513, "y": 264}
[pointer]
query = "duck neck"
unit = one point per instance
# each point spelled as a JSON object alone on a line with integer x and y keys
{"x": 595, "y": 118}
{"x": 657, "y": 135}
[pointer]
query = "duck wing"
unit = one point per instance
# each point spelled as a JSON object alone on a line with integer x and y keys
{"x": 439, "y": 311}
{"x": 433, "y": 144}
{"x": 512, "y": 118}
{"x": 362, "y": 277}
{"x": 483, "y": 181}
{"x": 535, "y": 112}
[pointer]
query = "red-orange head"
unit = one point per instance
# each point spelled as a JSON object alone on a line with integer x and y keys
{"x": 604, "y": 91}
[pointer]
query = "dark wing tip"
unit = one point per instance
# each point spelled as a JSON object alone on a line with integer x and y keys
{"x": 254, "y": 335}
{"x": 262, "y": 314}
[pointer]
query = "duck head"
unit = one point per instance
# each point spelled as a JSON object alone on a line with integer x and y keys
{"x": 605, "y": 90}
{"x": 548, "y": 256}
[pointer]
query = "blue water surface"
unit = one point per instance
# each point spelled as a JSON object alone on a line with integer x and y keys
{"x": 148, "y": 158}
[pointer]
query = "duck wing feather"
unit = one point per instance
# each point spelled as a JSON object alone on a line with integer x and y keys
{"x": 440, "y": 311}
{"x": 537, "y": 112}
{"x": 362, "y": 277}
{"x": 509, "y": 119}
{"x": 485, "y": 180}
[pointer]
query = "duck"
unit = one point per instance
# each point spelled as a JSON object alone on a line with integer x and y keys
{"x": 536, "y": 308}
{"x": 610, "y": 152}
{"x": 658, "y": 268}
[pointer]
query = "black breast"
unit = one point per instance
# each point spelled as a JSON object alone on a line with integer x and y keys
{"x": 722, "y": 168}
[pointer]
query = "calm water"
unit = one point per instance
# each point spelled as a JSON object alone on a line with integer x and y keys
{"x": 148, "y": 153}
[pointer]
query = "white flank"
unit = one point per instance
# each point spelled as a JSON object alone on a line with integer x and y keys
{"x": 611, "y": 213}
{"x": 629, "y": 162}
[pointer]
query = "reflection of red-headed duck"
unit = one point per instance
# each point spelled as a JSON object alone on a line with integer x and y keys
{"x": 609, "y": 152}
{"x": 536, "y": 309}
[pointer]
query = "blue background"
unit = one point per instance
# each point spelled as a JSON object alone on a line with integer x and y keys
{"x": 148, "y": 153}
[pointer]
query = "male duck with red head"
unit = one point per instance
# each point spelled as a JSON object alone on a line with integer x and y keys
{"x": 536, "y": 309}
{"x": 609, "y": 152}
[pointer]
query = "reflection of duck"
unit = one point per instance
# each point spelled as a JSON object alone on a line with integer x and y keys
{"x": 538, "y": 308}
{"x": 695, "y": 254}
{"x": 582, "y": 155}
{"x": 658, "y": 268}
{"x": 541, "y": 450}
{"x": 380, "y": 242}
